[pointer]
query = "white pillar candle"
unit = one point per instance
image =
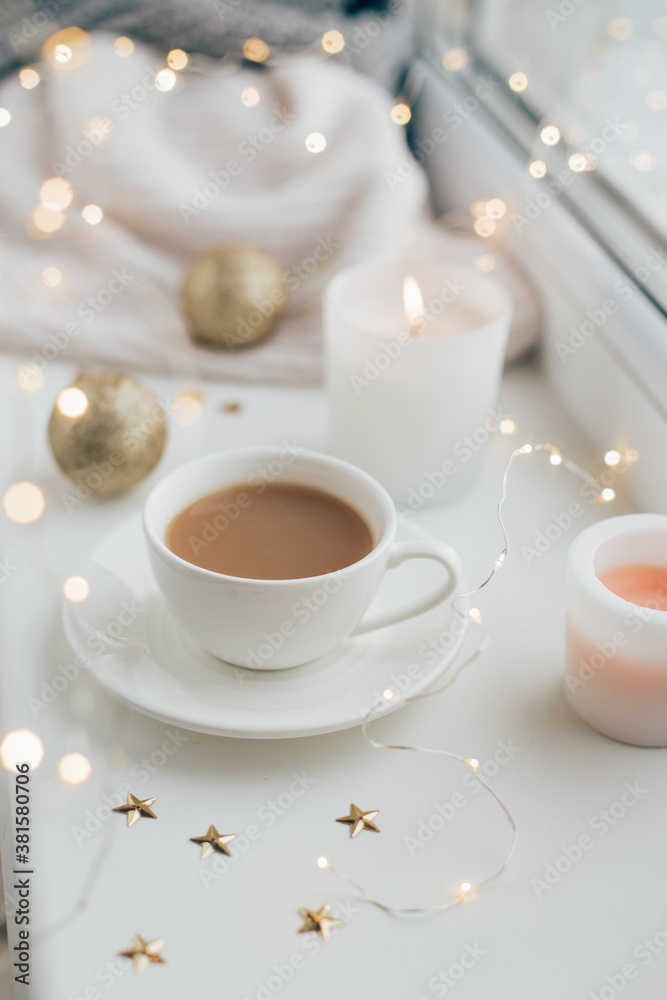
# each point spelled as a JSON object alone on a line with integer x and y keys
{"x": 413, "y": 388}
{"x": 616, "y": 659}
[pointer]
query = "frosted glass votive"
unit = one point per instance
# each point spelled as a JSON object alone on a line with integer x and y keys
{"x": 414, "y": 405}
{"x": 616, "y": 659}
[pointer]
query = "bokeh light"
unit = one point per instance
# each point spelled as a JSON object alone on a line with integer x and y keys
{"x": 550, "y": 135}
{"x": 518, "y": 82}
{"x": 165, "y": 80}
{"x": 74, "y": 768}
{"x": 29, "y": 77}
{"x": 333, "y": 41}
{"x": 5, "y": 117}
{"x": 250, "y": 96}
{"x": 56, "y": 193}
{"x": 76, "y": 589}
{"x": 45, "y": 220}
{"x": 92, "y": 214}
{"x": 72, "y": 402}
{"x": 315, "y": 142}
{"x": 52, "y": 276}
{"x": 123, "y": 46}
{"x": 537, "y": 168}
{"x": 455, "y": 59}
{"x": 21, "y": 746}
{"x": 256, "y": 50}
{"x": 29, "y": 378}
{"x": 188, "y": 407}
{"x": 177, "y": 59}
{"x": 401, "y": 114}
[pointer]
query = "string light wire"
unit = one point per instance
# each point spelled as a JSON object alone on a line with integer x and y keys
{"x": 467, "y": 616}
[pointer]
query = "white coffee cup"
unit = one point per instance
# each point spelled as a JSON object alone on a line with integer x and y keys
{"x": 272, "y": 624}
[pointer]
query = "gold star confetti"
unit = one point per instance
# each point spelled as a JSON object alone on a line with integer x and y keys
{"x": 320, "y": 921}
{"x": 359, "y": 820}
{"x": 213, "y": 841}
{"x": 136, "y": 808}
{"x": 143, "y": 952}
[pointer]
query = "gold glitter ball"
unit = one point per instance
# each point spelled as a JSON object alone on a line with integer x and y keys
{"x": 107, "y": 432}
{"x": 233, "y": 295}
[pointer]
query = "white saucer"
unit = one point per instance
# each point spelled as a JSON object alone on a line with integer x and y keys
{"x": 138, "y": 652}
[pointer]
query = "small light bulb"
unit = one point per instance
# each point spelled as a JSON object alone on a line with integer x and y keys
{"x": 333, "y": 41}
{"x": 123, "y": 47}
{"x": 165, "y": 80}
{"x": 556, "y": 458}
{"x": 518, "y": 82}
{"x": 550, "y": 135}
{"x": 316, "y": 142}
{"x": 475, "y": 614}
{"x": 612, "y": 458}
{"x": 484, "y": 226}
{"x": 496, "y": 208}
{"x": 507, "y": 426}
{"x": 607, "y": 495}
{"x": 472, "y": 762}
{"x": 401, "y": 114}
{"x": 250, "y": 96}
{"x": 21, "y": 746}
{"x": 76, "y": 589}
{"x": 74, "y": 768}
{"x": 92, "y": 214}
{"x": 537, "y": 168}
{"x": 5, "y": 117}
{"x": 24, "y": 503}
{"x": 525, "y": 449}
{"x": 322, "y": 862}
{"x": 29, "y": 78}
{"x": 485, "y": 263}
{"x": 256, "y": 50}
{"x": 501, "y": 559}
{"x": 387, "y": 695}
{"x": 465, "y": 887}
{"x": 72, "y": 402}
{"x": 177, "y": 59}
{"x": 455, "y": 59}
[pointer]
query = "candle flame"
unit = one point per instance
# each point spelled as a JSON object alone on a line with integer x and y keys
{"x": 413, "y": 303}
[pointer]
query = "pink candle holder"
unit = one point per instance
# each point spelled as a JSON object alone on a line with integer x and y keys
{"x": 616, "y": 668}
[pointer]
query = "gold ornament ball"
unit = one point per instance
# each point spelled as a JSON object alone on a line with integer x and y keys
{"x": 233, "y": 295}
{"x": 107, "y": 432}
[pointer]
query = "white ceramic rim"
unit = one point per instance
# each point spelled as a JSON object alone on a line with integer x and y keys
{"x": 333, "y": 297}
{"x": 265, "y": 453}
{"x": 585, "y": 547}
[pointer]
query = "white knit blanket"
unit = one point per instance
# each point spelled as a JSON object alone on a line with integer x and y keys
{"x": 176, "y": 173}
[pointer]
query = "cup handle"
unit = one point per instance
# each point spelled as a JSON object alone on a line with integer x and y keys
{"x": 400, "y": 553}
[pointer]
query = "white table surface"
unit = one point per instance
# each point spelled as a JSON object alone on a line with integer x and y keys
{"x": 225, "y": 939}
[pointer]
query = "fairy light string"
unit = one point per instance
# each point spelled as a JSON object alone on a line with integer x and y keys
{"x": 468, "y": 616}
